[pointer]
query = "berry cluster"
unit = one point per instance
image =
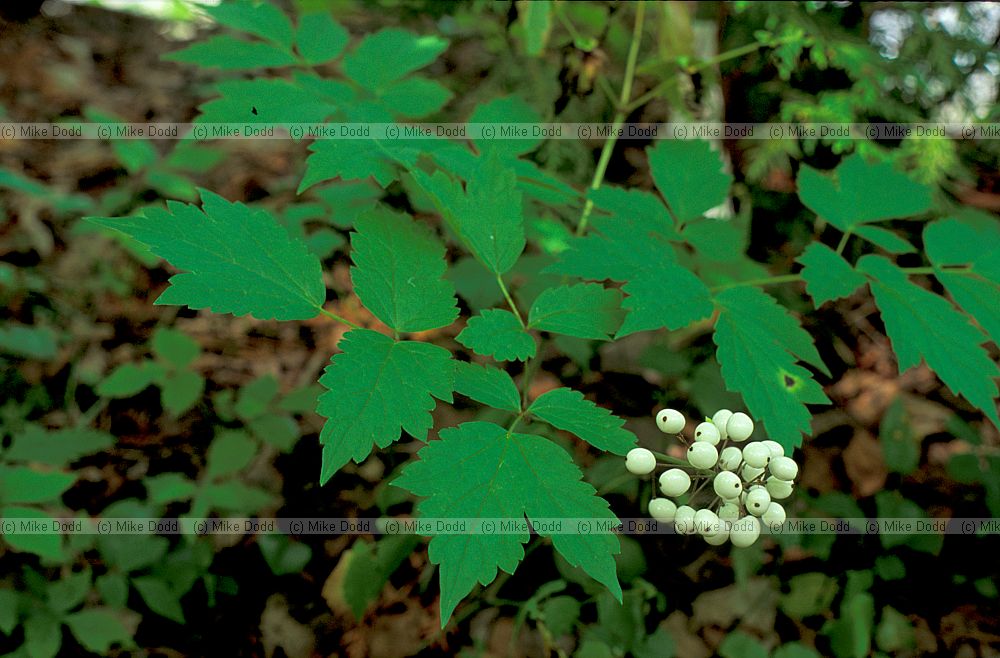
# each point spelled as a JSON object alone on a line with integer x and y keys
{"x": 746, "y": 482}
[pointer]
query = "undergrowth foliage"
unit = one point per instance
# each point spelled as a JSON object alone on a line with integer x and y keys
{"x": 638, "y": 260}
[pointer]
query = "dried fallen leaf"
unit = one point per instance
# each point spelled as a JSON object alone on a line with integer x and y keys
{"x": 864, "y": 464}
{"x": 278, "y": 629}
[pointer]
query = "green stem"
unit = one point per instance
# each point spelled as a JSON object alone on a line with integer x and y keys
{"x": 794, "y": 278}
{"x": 510, "y": 301}
{"x": 87, "y": 417}
{"x": 700, "y": 66}
{"x": 605, "y": 86}
{"x": 530, "y": 369}
{"x": 573, "y": 33}
{"x": 767, "y": 281}
{"x": 843, "y": 242}
{"x": 934, "y": 270}
{"x": 517, "y": 419}
{"x": 619, "y": 119}
{"x": 336, "y": 317}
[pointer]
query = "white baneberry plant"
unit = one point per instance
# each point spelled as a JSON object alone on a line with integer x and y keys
{"x": 719, "y": 490}
{"x": 536, "y": 260}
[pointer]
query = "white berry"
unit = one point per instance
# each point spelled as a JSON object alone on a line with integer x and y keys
{"x": 702, "y": 455}
{"x": 784, "y": 468}
{"x": 720, "y": 419}
{"x": 708, "y": 433}
{"x": 640, "y": 461}
{"x": 774, "y": 515}
{"x": 727, "y": 485}
{"x": 684, "y": 520}
{"x": 757, "y": 500}
{"x": 706, "y": 522}
{"x": 670, "y": 421}
{"x": 730, "y": 458}
{"x": 718, "y": 539}
{"x": 739, "y": 427}
{"x": 779, "y": 489}
{"x": 750, "y": 473}
{"x": 662, "y": 509}
{"x": 774, "y": 447}
{"x": 745, "y": 532}
{"x": 756, "y": 455}
{"x": 729, "y": 511}
{"x": 674, "y": 482}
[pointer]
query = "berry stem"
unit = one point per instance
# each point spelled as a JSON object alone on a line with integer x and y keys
{"x": 701, "y": 486}
{"x": 670, "y": 460}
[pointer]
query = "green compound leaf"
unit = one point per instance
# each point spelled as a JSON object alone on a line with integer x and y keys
{"x": 31, "y": 342}
{"x": 975, "y": 243}
{"x": 758, "y": 342}
{"x": 369, "y": 567}
{"x": 488, "y": 385}
{"x": 567, "y": 410}
{"x": 58, "y": 448}
{"x": 377, "y": 387}
{"x": 231, "y": 54}
{"x": 828, "y": 276}
{"x": 399, "y": 265}
{"x": 689, "y": 175}
{"x": 129, "y": 378}
{"x": 885, "y": 239}
{"x": 388, "y": 55}
{"x": 276, "y": 101}
{"x": 415, "y": 97}
{"x": 357, "y": 159}
{"x": 237, "y": 260}
{"x": 487, "y": 215}
{"x": 619, "y": 246}
{"x": 506, "y": 109}
{"x": 951, "y": 242}
{"x": 229, "y": 453}
{"x": 642, "y": 208}
{"x": 257, "y": 18}
{"x": 160, "y": 597}
{"x": 47, "y": 545}
{"x": 479, "y": 470}
{"x": 585, "y": 310}
{"x": 491, "y": 220}
{"x": 922, "y": 325}
{"x": 979, "y": 297}
{"x": 23, "y": 484}
{"x": 858, "y": 193}
{"x": 175, "y": 347}
{"x": 664, "y": 294}
{"x": 498, "y": 334}
{"x": 42, "y": 635}
{"x": 319, "y": 38}
{"x": 97, "y": 629}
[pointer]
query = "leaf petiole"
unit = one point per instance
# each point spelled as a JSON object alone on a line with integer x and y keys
{"x": 336, "y": 317}
{"x": 510, "y": 301}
